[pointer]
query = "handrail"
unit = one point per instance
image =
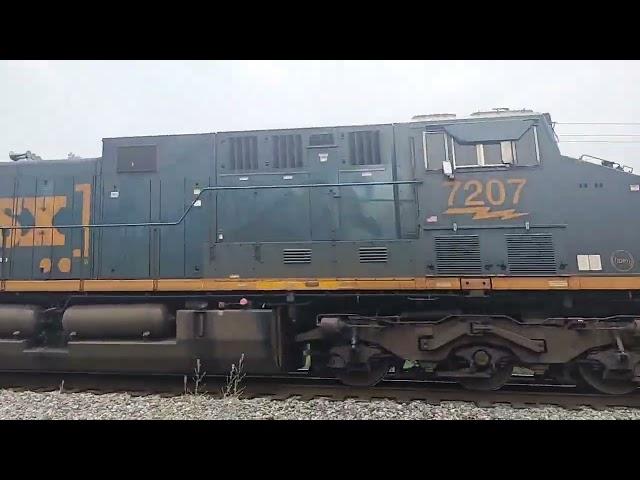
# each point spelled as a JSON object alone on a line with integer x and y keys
{"x": 209, "y": 189}
{"x": 609, "y": 164}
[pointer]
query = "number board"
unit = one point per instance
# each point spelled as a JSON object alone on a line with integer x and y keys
{"x": 489, "y": 200}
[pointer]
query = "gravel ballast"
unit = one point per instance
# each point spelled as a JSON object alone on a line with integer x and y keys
{"x": 122, "y": 406}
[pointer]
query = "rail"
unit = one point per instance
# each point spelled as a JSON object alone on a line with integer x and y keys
{"x": 609, "y": 163}
{"x": 520, "y": 392}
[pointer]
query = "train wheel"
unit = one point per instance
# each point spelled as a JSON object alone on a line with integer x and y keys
{"x": 500, "y": 375}
{"x": 610, "y": 386}
{"x": 367, "y": 377}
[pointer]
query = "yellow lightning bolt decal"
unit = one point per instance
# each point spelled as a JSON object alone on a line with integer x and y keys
{"x": 485, "y": 213}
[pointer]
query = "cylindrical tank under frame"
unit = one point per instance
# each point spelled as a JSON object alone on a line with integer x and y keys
{"x": 20, "y": 321}
{"x": 150, "y": 321}
{"x": 142, "y": 338}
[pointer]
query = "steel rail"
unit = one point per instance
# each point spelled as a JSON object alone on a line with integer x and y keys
{"x": 516, "y": 394}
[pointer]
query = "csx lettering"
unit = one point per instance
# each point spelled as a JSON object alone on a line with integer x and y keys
{"x": 42, "y": 211}
{"x": 478, "y": 198}
{"x": 39, "y": 210}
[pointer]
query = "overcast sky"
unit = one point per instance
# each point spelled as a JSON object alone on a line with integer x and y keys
{"x": 56, "y": 107}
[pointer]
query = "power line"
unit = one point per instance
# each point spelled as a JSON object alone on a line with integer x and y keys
{"x": 597, "y": 123}
{"x": 599, "y": 135}
{"x": 630, "y": 142}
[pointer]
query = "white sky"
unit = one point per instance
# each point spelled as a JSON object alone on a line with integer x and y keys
{"x": 56, "y": 107}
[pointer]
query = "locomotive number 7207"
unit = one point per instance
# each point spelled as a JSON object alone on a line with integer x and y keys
{"x": 494, "y": 190}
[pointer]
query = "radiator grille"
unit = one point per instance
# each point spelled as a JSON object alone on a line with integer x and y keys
{"x": 364, "y": 148}
{"x": 296, "y": 255}
{"x": 373, "y": 254}
{"x": 243, "y": 153}
{"x": 458, "y": 255}
{"x": 531, "y": 253}
{"x": 287, "y": 151}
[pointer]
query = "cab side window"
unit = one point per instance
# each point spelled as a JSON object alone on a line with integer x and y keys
{"x": 527, "y": 148}
{"x": 435, "y": 145}
{"x": 483, "y": 154}
{"x": 461, "y": 153}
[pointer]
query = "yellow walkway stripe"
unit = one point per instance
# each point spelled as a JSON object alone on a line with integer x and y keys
{"x": 325, "y": 284}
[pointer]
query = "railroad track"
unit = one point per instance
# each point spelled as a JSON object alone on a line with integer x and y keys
{"x": 518, "y": 394}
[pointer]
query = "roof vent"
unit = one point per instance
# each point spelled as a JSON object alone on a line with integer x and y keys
{"x": 23, "y": 156}
{"x": 433, "y": 117}
{"x": 498, "y": 112}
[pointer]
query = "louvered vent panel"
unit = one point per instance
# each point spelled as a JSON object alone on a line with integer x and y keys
{"x": 531, "y": 253}
{"x": 296, "y": 255}
{"x": 364, "y": 148}
{"x": 287, "y": 151}
{"x": 244, "y": 153}
{"x": 458, "y": 255}
{"x": 373, "y": 254}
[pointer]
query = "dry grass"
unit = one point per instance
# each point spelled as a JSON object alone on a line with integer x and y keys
{"x": 198, "y": 380}
{"x": 234, "y": 388}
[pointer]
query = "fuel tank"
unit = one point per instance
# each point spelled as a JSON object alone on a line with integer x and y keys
{"x": 228, "y": 335}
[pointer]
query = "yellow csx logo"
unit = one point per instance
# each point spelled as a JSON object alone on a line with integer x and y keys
{"x": 477, "y": 194}
{"x": 40, "y": 211}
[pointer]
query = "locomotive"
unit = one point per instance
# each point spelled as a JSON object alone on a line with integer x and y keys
{"x": 441, "y": 247}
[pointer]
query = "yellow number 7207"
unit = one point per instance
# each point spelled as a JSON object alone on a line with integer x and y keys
{"x": 495, "y": 191}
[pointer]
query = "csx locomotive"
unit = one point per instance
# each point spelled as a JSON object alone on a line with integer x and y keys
{"x": 443, "y": 247}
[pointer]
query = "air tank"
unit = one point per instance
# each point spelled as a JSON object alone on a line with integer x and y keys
{"x": 19, "y": 321}
{"x": 117, "y": 321}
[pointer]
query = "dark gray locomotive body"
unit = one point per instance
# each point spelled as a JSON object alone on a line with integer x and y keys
{"x": 442, "y": 246}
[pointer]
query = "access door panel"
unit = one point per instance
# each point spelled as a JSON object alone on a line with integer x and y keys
{"x": 125, "y": 250}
